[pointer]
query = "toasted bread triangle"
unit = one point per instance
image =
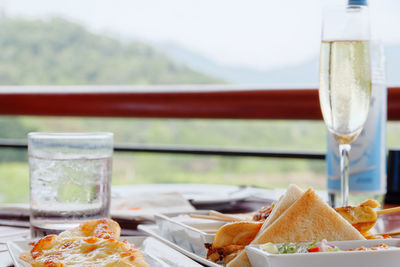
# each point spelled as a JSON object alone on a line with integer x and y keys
{"x": 308, "y": 219}
{"x": 292, "y": 194}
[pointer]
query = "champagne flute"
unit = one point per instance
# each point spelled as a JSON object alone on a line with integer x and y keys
{"x": 345, "y": 80}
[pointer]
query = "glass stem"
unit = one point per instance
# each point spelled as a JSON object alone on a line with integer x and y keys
{"x": 344, "y": 150}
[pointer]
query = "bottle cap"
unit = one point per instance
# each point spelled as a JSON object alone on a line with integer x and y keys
{"x": 357, "y": 3}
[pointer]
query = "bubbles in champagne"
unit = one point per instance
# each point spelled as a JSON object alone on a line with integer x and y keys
{"x": 345, "y": 87}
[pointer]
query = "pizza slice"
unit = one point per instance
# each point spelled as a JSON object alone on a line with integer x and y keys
{"x": 57, "y": 251}
{"x": 93, "y": 243}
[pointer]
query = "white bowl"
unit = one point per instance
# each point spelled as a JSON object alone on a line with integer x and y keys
{"x": 388, "y": 257}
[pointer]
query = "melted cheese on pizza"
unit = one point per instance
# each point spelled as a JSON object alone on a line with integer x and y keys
{"x": 93, "y": 243}
{"x": 55, "y": 251}
{"x": 103, "y": 228}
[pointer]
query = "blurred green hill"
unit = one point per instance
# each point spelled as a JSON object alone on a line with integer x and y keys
{"x": 59, "y": 52}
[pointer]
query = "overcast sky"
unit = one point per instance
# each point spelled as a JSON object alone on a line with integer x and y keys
{"x": 261, "y": 34}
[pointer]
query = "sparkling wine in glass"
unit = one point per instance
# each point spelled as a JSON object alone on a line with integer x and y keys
{"x": 345, "y": 80}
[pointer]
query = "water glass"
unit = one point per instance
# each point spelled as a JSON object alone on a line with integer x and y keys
{"x": 70, "y": 179}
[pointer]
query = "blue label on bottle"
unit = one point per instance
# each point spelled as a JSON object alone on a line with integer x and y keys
{"x": 367, "y": 154}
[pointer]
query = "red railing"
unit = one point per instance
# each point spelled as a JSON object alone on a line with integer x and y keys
{"x": 213, "y": 102}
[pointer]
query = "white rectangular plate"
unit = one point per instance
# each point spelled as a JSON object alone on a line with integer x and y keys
{"x": 153, "y": 231}
{"x": 156, "y": 253}
{"x": 259, "y": 258}
{"x": 179, "y": 230}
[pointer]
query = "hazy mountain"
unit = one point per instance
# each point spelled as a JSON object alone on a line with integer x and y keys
{"x": 305, "y": 73}
{"x": 59, "y": 52}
